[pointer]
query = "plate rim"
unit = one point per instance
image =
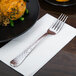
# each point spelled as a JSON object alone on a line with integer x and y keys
{"x": 60, "y": 4}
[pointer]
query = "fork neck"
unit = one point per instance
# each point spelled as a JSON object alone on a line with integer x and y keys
{"x": 51, "y": 32}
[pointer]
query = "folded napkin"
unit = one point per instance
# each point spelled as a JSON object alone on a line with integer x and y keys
{"x": 45, "y": 50}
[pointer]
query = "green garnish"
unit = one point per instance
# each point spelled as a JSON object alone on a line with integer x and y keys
{"x": 12, "y": 23}
{"x": 21, "y": 18}
{"x": 27, "y": 11}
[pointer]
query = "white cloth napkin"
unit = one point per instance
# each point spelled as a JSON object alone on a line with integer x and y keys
{"x": 45, "y": 50}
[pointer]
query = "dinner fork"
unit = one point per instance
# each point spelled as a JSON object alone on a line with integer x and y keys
{"x": 54, "y": 29}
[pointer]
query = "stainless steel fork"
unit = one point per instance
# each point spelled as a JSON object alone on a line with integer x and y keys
{"x": 54, "y": 29}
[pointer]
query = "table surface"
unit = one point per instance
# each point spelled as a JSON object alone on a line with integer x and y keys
{"x": 64, "y": 63}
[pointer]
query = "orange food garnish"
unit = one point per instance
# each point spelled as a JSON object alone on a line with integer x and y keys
{"x": 13, "y": 9}
{"x": 62, "y": 0}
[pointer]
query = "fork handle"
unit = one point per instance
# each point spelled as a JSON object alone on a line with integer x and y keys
{"x": 21, "y": 57}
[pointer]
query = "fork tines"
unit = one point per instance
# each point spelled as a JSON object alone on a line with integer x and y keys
{"x": 59, "y": 22}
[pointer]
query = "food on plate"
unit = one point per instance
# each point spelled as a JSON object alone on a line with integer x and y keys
{"x": 62, "y": 0}
{"x": 11, "y": 10}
